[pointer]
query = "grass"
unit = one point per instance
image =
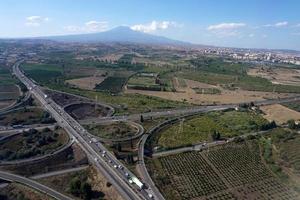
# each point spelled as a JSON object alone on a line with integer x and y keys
{"x": 43, "y": 73}
{"x": 125, "y": 103}
{"x": 281, "y": 147}
{"x": 32, "y": 143}
{"x": 25, "y": 116}
{"x": 141, "y": 80}
{"x": 207, "y": 90}
{"x": 116, "y": 130}
{"x": 293, "y": 105}
{"x": 199, "y": 129}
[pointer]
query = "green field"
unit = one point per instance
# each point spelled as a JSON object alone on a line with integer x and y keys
{"x": 115, "y": 130}
{"x": 43, "y": 73}
{"x": 126, "y": 103}
{"x": 280, "y": 150}
{"x": 230, "y": 171}
{"x": 199, "y": 129}
{"x": 32, "y": 143}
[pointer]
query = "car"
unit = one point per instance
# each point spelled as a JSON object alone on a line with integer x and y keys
{"x": 110, "y": 161}
{"x": 115, "y": 166}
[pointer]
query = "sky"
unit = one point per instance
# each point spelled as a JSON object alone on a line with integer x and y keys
{"x": 273, "y": 24}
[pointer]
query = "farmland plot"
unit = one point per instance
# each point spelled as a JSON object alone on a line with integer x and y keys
{"x": 230, "y": 171}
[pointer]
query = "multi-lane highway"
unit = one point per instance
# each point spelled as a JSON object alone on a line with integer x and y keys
{"x": 125, "y": 182}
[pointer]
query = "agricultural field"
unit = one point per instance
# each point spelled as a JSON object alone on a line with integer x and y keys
{"x": 43, "y": 73}
{"x": 284, "y": 76}
{"x": 86, "y": 83}
{"x": 32, "y": 143}
{"x": 293, "y": 105}
{"x": 279, "y": 113}
{"x": 282, "y": 155}
{"x": 112, "y": 84}
{"x": 195, "y": 92}
{"x": 9, "y": 92}
{"x": 201, "y": 128}
{"x": 115, "y": 130}
{"x": 26, "y": 116}
{"x": 230, "y": 171}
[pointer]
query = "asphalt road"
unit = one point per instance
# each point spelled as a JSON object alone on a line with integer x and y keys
{"x": 113, "y": 169}
{"x": 33, "y": 184}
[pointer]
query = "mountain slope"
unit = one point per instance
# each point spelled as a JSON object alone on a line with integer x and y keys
{"x": 119, "y": 34}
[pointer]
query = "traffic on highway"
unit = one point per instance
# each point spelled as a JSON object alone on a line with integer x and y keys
{"x": 129, "y": 186}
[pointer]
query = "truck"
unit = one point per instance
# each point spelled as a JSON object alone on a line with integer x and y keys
{"x": 136, "y": 181}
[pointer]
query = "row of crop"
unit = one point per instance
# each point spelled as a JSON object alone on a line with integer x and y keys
{"x": 191, "y": 175}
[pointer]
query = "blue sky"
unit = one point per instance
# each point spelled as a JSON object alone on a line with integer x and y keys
{"x": 233, "y": 23}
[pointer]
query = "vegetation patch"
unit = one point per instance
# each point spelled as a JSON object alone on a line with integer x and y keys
{"x": 26, "y": 116}
{"x": 32, "y": 143}
{"x": 203, "y": 127}
{"x": 115, "y": 130}
{"x": 229, "y": 171}
{"x": 112, "y": 84}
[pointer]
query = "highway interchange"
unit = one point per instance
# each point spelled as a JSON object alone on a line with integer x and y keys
{"x": 114, "y": 170}
{"x": 106, "y": 163}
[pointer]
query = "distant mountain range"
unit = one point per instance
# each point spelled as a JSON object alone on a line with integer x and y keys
{"x": 118, "y": 34}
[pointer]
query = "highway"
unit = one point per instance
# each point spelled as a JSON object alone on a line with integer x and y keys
{"x": 33, "y": 184}
{"x": 124, "y": 180}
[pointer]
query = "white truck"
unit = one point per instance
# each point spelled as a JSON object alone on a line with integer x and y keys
{"x": 136, "y": 181}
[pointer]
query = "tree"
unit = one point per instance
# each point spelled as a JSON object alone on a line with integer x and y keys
{"x": 86, "y": 191}
{"x": 216, "y": 135}
{"x": 75, "y": 186}
{"x": 119, "y": 147}
{"x": 291, "y": 124}
{"x": 142, "y": 119}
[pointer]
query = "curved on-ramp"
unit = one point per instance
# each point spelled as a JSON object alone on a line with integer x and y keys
{"x": 33, "y": 184}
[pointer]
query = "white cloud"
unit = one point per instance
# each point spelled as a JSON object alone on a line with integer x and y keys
{"x": 297, "y": 25}
{"x": 277, "y": 25}
{"x": 35, "y": 20}
{"x": 225, "y": 26}
{"x": 154, "y": 26}
{"x": 251, "y": 35}
{"x": 88, "y": 27}
{"x": 226, "y": 29}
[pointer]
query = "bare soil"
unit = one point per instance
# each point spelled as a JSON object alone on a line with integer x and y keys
{"x": 15, "y": 191}
{"x": 280, "y": 114}
{"x": 86, "y": 110}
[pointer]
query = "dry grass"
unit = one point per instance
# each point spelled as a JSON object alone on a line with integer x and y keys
{"x": 87, "y": 83}
{"x": 282, "y": 76}
{"x": 189, "y": 94}
{"x": 280, "y": 114}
